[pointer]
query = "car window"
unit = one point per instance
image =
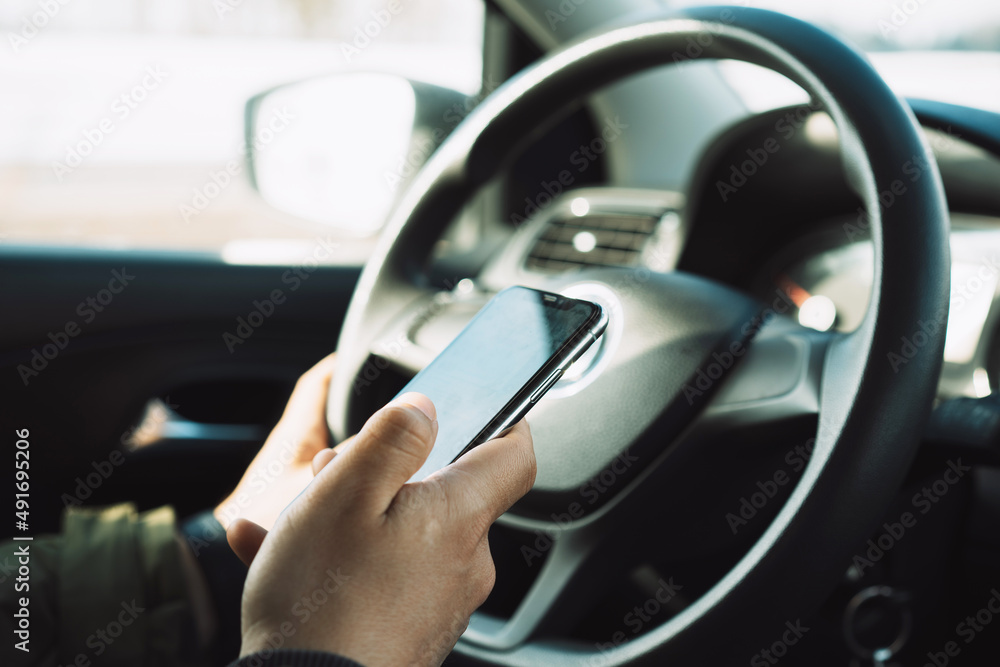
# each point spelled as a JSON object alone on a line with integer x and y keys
{"x": 123, "y": 121}
{"x": 947, "y": 51}
{"x": 894, "y": 25}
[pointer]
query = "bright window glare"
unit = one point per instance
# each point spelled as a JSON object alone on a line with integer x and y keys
{"x": 350, "y": 190}
{"x": 935, "y": 49}
{"x": 881, "y": 25}
{"x": 121, "y": 112}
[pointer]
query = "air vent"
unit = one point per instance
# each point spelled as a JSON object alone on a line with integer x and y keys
{"x": 573, "y": 242}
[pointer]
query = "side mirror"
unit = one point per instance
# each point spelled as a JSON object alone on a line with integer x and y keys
{"x": 339, "y": 149}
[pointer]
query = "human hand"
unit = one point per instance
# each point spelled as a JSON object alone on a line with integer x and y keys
{"x": 372, "y": 568}
{"x": 283, "y": 466}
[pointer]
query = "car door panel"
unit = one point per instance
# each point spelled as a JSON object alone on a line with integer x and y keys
{"x": 90, "y": 338}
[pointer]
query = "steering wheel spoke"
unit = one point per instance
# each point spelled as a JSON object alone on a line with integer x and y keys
{"x": 569, "y": 577}
{"x": 422, "y": 329}
{"x": 397, "y": 345}
{"x": 780, "y": 378}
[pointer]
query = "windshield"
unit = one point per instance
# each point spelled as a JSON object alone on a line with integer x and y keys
{"x": 945, "y": 50}
{"x": 895, "y": 25}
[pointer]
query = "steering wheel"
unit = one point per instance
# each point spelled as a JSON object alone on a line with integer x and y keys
{"x": 663, "y": 364}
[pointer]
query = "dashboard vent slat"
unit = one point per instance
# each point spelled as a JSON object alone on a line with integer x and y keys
{"x": 572, "y": 242}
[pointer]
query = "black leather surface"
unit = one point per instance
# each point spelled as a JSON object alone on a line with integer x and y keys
{"x": 977, "y": 126}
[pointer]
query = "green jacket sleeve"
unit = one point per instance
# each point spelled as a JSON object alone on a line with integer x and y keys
{"x": 109, "y": 588}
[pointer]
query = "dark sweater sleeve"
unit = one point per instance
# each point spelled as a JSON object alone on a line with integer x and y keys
{"x": 293, "y": 658}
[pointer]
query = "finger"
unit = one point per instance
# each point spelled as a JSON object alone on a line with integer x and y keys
{"x": 322, "y": 457}
{"x": 304, "y": 418}
{"x": 484, "y": 575}
{"x": 245, "y": 538}
{"x": 310, "y": 389}
{"x": 344, "y": 444}
{"x": 385, "y": 454}
{"x": 495, "y": 475}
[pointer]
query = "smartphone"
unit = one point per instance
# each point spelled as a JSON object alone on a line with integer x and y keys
{"x": 514, "y": 349}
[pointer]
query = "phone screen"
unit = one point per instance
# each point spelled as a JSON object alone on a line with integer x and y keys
{"x": 489, "y": 363}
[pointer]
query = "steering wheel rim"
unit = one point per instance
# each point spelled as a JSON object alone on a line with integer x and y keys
{"x": 872, "y": 403}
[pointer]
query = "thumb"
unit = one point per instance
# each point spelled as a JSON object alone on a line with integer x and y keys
{"x": 245, "y": 538}
{"x": 386, "y": 453}
{"x": 322, "y": 457}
